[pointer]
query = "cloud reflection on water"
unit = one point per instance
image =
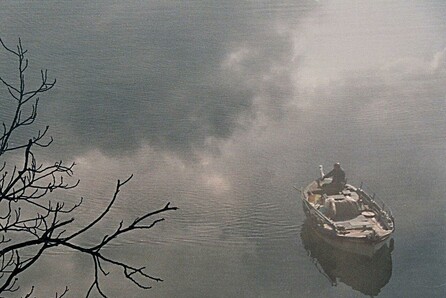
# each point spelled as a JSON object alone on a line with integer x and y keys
{"x": 222, "y": 107}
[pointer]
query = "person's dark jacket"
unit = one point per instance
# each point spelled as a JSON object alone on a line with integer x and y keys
{"x": 338, "y": 176}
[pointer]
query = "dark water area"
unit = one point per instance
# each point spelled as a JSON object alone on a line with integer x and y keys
{"x": 221, "y": 107}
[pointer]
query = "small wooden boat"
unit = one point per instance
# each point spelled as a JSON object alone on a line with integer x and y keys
{"x": 351, "y": 219}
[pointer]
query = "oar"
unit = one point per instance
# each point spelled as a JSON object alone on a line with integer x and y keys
{"x": 299, "y": 190}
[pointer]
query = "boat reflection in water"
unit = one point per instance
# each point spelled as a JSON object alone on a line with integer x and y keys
{"x": 364, "y": 274}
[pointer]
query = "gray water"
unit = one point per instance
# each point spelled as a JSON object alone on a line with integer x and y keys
{"x": 221, "y": 107}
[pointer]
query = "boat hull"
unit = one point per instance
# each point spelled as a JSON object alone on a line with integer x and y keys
{"x": 365, "y": 274}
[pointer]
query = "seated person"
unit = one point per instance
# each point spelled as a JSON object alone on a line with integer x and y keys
{"x": 338, "y": 180}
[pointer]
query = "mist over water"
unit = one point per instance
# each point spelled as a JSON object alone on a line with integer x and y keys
{"x": 221, "y": 108}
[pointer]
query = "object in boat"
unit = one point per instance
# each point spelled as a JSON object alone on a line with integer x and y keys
{"x": 361, "y": 273}
{"x": 351, "y": 219}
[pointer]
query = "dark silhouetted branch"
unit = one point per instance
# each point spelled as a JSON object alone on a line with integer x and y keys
{"x": 30, "y": 222}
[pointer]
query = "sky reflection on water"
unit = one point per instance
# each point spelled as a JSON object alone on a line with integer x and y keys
{"x": 221, "y": 107}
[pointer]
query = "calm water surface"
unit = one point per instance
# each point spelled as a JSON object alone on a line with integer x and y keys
{"x": 221, "y": 107}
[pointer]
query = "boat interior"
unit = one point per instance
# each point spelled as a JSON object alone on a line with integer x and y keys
{"x": 348, "y": 210}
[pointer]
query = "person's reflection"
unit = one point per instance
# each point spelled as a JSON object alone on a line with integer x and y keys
{"x": 367, "y": 275}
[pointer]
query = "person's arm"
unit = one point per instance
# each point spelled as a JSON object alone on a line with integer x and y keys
{"x": 328, "y": 175}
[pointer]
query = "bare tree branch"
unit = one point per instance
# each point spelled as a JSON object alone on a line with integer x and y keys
{"x": 30, "y": 222}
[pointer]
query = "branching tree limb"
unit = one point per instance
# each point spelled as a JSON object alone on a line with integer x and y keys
{"x": 30, "y": 222}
